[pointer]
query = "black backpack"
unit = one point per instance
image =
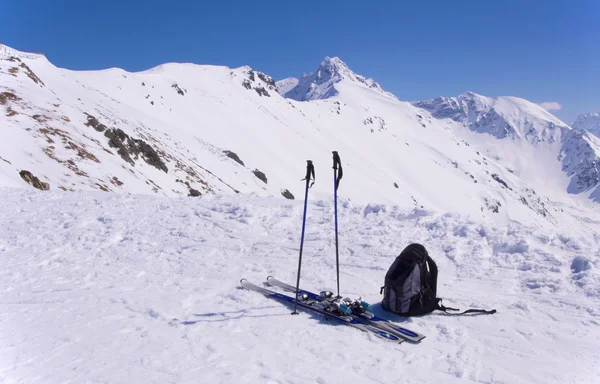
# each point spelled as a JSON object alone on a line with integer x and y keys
{"x": 411, "y": 285}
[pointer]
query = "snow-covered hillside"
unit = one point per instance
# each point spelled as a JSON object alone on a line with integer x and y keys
{"x": 530, "y": 139}
{"x": 286, "y": 85}
{"x": 185, "y": 129}
{"x": 108, "y": 288}
{"x": 501, "y": 117}
{"x": 589, "y": 122}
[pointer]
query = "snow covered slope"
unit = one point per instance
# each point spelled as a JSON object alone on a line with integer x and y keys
{"x": 108, "y": 288}
{"x": 285, "y": 85}
{"x": 500, "y": 117}
{"x": 185, "y": 129}
{"x": 589, "y": 122}
{"x": 530, "y": 139}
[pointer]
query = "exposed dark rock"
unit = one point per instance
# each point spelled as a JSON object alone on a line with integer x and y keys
{"x": 262, "y": 91}
{"x": 103, "y": 187}
{"x": 115, "y": 180}
{"x": 40, "y": 118}
{"x": 498, "y": 179}
{"x": 251, "y": 75}
{"x": 152, "y": 102}
{"x": 150, "y": 155}
{"x": 492, "y": 205}
{"x": 37, "y": 183}
{"x": 128, "y": 147}
{"x": 396, "y": 185}
{"x": 82, "y": 152}
{"x": 375, "y": 120}
{"x": 246, "y": 84}
{"x": 94, "y": 123}
{"x": 179, "y": 90}
{"x": 6, "y": 96}
{"x": 234, "y": 157}
{"x": 194, "y": 193}
{"x": 267, "y": 79}
{"x": 260, "y": 175}
{"x": 143, "y": 84}
{"x": 287, "y": 194}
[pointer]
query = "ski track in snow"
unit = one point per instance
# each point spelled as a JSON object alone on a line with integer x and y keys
{"x": 105, "y": 288}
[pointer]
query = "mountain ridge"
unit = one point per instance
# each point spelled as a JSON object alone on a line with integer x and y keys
{"x": 188, "y": 129}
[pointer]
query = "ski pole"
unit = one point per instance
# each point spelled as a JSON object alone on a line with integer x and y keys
{"x": 337, "y": 176}
{"x": 310, "y": 171}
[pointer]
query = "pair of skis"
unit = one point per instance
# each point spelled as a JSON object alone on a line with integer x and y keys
{"x": 331, "y": 308}
{"x": 353, "y": 313}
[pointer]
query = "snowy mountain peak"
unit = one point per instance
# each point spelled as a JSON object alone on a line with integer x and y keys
{"x": 286, "y": 85}
{"x": 589, "y": 122}
{"x": 501, "y": 117}
{"x": 333, "y": 68}
{"x": 321, "y": 84}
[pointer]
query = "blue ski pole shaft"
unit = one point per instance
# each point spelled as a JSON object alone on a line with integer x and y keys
{"x": 337, "y": 176}
{"x": 337, "y": 254}
{"x": 310, "y": 170}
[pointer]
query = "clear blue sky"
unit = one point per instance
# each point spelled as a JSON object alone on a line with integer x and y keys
{"x": 540, "y": 50}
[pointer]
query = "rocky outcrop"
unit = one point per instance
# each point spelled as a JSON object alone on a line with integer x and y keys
{"x": 8, "y": 96}
{"x": 262, "y": 85}
{"x": 260, "y": 175}
{"x": 232, "y": 155}
{"x": 34, "y": 181}
{"x": 94, "y": 123}
{"x": 130, "y": 149}
{"x": 180, "y": 91}
{"x": 287, "y": 194}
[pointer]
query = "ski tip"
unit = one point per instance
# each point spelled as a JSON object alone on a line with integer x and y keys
{"x": 242, "y": 280}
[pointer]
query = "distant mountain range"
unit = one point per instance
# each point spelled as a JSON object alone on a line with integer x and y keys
{"x": 192, "y": 130}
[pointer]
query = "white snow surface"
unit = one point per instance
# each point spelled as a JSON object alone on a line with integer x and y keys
{"x": 107, "y": 288}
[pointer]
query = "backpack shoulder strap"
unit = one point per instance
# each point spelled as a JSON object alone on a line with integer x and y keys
{"x": 433, "y": 270}
{"x": 444, "y": 309}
